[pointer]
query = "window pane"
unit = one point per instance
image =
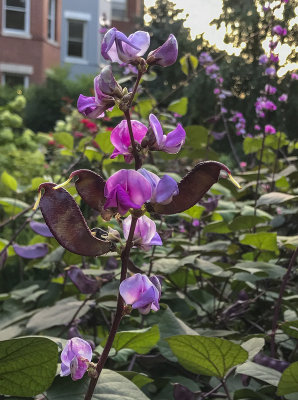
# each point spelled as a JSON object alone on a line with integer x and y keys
{"x": 15, "y": 20}
{"x": 119, "y": 9}
{"x": 13, "y": 80}
{"x": 49, "y": 29}
{"x": 75, "y": 49}
{"x": 15, "y": 3}
{"x": 76, "y": 30}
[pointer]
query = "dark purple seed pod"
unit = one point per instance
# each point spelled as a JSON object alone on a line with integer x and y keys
{"x": 191, "y": 188}
{"x": 90, "y": 187}
{"x": 41, "y": 229}
{"x": 266, "y": 361}
{"x": 182, "y": 392}
{"x": 84, "y": 284}
{"x": 66, "y": 222}
{"x": 37, "y": 250}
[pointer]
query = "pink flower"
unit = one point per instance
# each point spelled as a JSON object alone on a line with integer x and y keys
{"x": 279, "y": 30}
{"x": 121, "y": 140}
{"x": 270, "y": 89}
{"x": 166, "y": 54}
{"x": 75, "y": 358}
{"x": 126, "y": 189}
{"x": 141, "y": 292}
{"x": 283, "y": 97}
{"x": 243, "y": 164}
{"x": 270, "y": 129}
{"x": 294, "y": 76}
{"x": 170, "y": 143}
{"x": 145, "y": 234}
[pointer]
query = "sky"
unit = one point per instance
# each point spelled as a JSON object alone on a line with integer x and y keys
{"x": 201, "y": 13}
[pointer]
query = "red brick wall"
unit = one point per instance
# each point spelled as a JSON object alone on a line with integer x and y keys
{"x": 36, "y": 51}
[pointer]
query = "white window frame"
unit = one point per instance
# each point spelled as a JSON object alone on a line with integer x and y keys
{"x": 52, "y": 17}
{"x": 79, "y": 17}
{"x": 117, "y": 18}
{"x": 25, "y": 77}
{"x": 16, "y": 32}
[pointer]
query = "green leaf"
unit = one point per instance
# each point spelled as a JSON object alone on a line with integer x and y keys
{"x": 253, "y": 346}
{"x": 261, "y": 240}
{"x": 196, "y": 136}
{"x": 12, "y": 206}
{"x": 64, "y": 138}
{"x": 179, "y": 106}
{"x": 245, "y": 222}
{"x": 35, "y": 182}
{"x": 27, "y": 365}
{"x": 259, "y": 268}
{"x": 291, "y": 328}
{"x": 260, "y": 372}
{"x": 116, "y": 112}
{"x": 207, "y": 355}
{"x": 276, "y": 141}
{"x": 186, "y": 60}
{"x": 144, "y": 107}
{"x": 274, "y": 198}
{"x": 141, "y": 341}
{"x": 9, "y": 181}
{"x": 138, "y": 379}
{"x": 104, "y": 142}
{"x": 289, "y": 380}
{"x": 170, "y": 325}
{"x": 195, "y": 211}
{"x": 110, "y": 386}
{"x": 217, "y": 227}
{"x": 252, "y": 145}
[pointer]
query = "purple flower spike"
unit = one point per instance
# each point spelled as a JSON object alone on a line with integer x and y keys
{"x": 163, "y": 189}
{"x": 270, "y": 129}
{"x": 41, "y": 229}
{"x": 94, "y": 107}
{"x": 126, "y": 189}
{"x": 279, "y": 30}
{"x": 145, "y": 234}
{"x": 141, "y": 293}
{"x": 75, "y": 358}
{"x": 164, "y": 55}
{"x": 170, "y": 143}
{"x": 37, "y": 250}
{"x": 116, "y": 47}
{"x": 121, "y": 140}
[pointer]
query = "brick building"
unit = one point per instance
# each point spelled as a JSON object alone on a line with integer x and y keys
{"x": 39, "y": 34}
{"x": 29, "y": 39}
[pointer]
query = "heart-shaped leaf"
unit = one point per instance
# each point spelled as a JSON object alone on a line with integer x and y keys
{"x": 90, "y": 187}
{"x": 191, "y": 188}
{"x": 66, "y": 222}
{"x": 289, "y": 380}
{"x": 207, "y": 355}
{"x": 27, "y": 365}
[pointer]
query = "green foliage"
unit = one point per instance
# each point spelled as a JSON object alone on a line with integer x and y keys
{"x": 27, "y": 365}
{"x": 289, "y": 380}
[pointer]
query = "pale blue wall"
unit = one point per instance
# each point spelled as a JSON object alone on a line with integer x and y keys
{"x": 81, "y": 9}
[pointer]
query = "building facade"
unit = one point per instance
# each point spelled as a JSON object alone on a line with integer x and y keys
{"x": 39, "y": 34}
{"x": 30, "y": 32}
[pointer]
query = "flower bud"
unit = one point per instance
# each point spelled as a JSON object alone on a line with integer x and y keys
{"x": 108, "y": 84}
{"x": 164, "y": 55}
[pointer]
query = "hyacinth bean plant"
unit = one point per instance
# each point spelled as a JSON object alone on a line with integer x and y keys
{"x": 126, "y": 195}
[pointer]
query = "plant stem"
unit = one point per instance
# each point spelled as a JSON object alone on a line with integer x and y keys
{"x": 119, "y": 311}
{"x": 279, "y": 300}
{"x": 275, "y": 162}
{"x": 138, "y": 161}
{"x": 134, "y": 91}
{"x": 14, "y": 217}
{"x": 258, "y": 176}
{"x": 226, "y": 389}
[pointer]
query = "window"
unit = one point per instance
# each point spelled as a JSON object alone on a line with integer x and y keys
{"x": 16, "y": 16}
{"x": 52, "y": 20}
{"x": 15, "y": 80}
{"x": 75, "y": 45}
{"x": 119, "y": 9}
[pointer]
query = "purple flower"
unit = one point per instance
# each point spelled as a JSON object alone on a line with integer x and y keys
{"x": 41, "y": 229}
{"x": 294, "y": 76}
{"x": 257, "y": 127}
{"x": 145, "y": 234}
{"x": 272, "y": 45}
{"x": 283, "y": 97}
{"x": 279, "y": 30}
{"x": 164, "y": 55}
{"x": 116, "y": 47}
{"x": 270, "y": 89}
{"x": 75, "y": 358}
{"x": 270, "y": 129}
{"x": 195, "y": 222}
{"x": 108, "y": 84}
{"x": 170, "y": 143}
{"x": 121, "y": 140}
{"x": 141, "y": 292}
{"x": 126, "y": 189}
{"x": 32, "y": 251}
{"x": 274, "y": 58}
{"x": 263, "y": 59}
{"x": 163, "y": 189}
{"x": 94, "y": 107}
{"x": 205, "y": 58}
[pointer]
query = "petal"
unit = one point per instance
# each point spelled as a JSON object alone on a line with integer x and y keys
{"x": 78, "y": 367}
{"x": 146, "y": 229}
{"x": 139, "y": 43}
{"x": 65, "y": 370}
{"x": 166, "y": 54}
{"x": 166, "y": 189}
{"x": 33, "y": 251}
{"x": 119, "y": 198}
{"x": 126, "y": 226}
{"x": 157, "y": 129}
{"x": 131, "y": 288}
{"x": 120, "y": 137}
{"x": 152, "y": 178}
{"x": 150, "y": 295}
{"x": 41, "y": 229}
{"x": 174, "y": 140}
{"x": 156, "y": 240}
{"x": 81, "y": 348}
{"x": 86, "y": 105}
{"x": 107, "y": 42}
